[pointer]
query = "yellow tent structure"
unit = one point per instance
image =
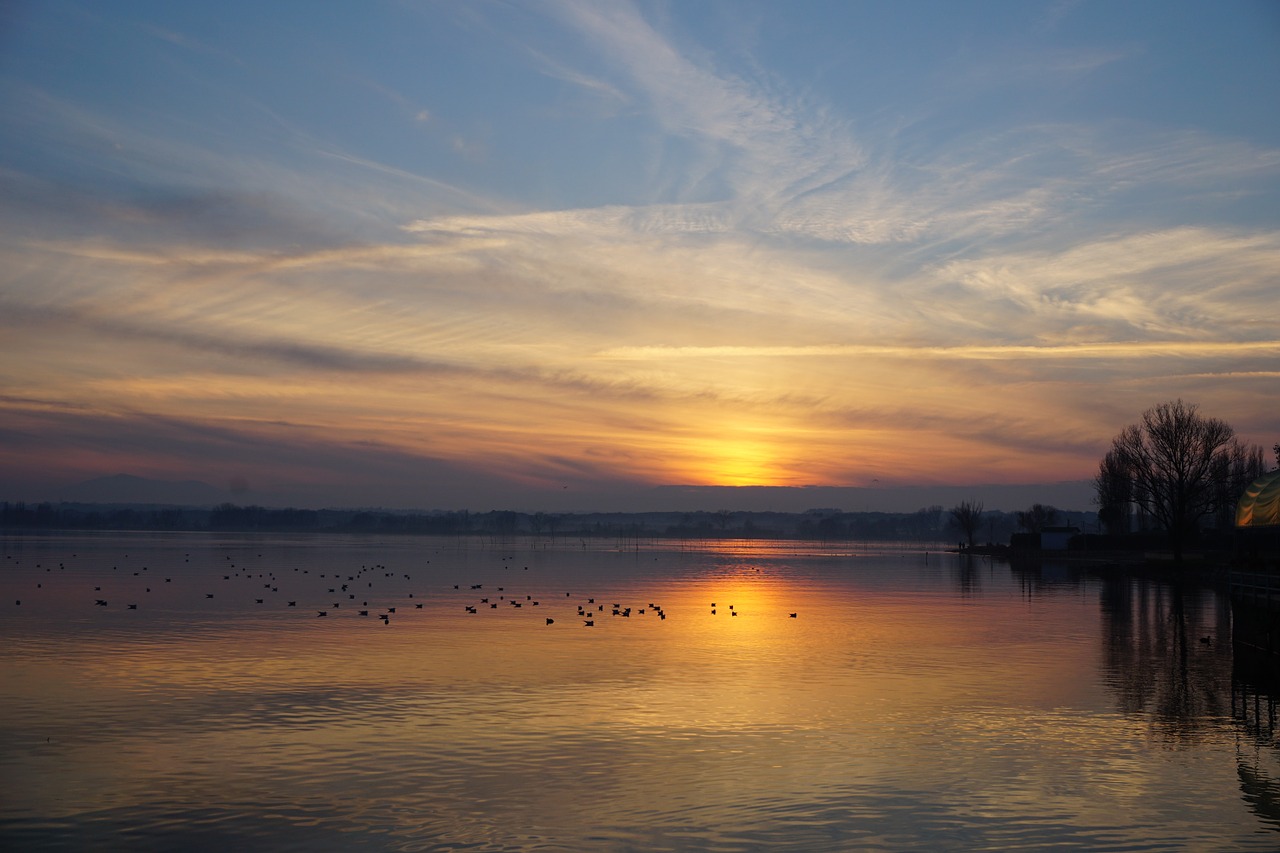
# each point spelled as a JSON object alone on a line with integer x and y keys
{"x": 1259, "y": 506}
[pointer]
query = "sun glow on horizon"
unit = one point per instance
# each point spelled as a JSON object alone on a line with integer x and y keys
{"x": 741, "y": 457}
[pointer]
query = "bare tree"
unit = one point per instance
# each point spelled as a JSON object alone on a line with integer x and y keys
{"x": 967, "y": 517}
{"x": 1238, "y": 465}
{"x": 1114, "y": 490}
{"x": 1037, "y": 518}
{"x": 1171, "y": 460}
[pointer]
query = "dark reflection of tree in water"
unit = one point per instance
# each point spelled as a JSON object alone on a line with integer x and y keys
{"x": 1167, "y": 653}
{"x": 966, "y": 575}
{"x": 1168, "y": 658}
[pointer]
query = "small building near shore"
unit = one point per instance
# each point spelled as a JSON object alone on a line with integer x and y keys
{"x": 1057, "y": 538}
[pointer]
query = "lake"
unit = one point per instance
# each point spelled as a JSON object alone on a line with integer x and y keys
{"x": 915, "y": 699}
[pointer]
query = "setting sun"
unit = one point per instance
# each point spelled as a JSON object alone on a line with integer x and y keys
{"x": 739, "y": 462}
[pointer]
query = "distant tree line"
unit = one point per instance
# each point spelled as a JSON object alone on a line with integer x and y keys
{"x": 928, "y": 524}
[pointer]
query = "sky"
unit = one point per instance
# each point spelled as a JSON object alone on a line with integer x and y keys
{"x": 523, "y": 254}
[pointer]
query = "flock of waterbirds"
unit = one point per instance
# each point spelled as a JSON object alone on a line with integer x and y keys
{"x": 350, "y": 594}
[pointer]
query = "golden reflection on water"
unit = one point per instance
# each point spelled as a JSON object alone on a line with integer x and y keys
{"x": 909, "y": 701}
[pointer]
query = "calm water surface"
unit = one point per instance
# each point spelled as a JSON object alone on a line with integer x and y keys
{"x": 913, "y": 702}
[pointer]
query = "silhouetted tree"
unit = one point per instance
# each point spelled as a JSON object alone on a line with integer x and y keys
{"x": 1238, "y": 466}
{"x": 967, "y": 517}
{"x": 1114, "y": 489}
{"x": 1037, "y": 518}
{"x": 925, "y": 522}
{"x": 1171, "y": 460}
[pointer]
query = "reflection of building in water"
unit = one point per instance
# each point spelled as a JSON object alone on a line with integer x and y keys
{"x": 1254, "y": 690}
{"x": 1037, "y": 575}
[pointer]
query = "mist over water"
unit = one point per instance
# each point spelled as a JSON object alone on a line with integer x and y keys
{"x": 913, "y": 701}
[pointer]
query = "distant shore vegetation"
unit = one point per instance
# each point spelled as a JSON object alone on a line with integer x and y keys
{"x": 928, "y": 524}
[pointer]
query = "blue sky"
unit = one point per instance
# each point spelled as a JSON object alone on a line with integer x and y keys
{"x": 458, "y": 254}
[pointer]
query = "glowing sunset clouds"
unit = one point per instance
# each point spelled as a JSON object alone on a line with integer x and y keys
{"x": 471, "y": 254}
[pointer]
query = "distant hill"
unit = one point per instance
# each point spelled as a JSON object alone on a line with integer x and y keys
{"x": 128, "y": 489}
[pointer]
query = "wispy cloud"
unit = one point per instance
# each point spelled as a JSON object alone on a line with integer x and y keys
{"x": 1149, "y": 285}
{"x": 562, "y": 71}
{"x": 772, "y": 151}
{"x": 1102, "y": 349}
